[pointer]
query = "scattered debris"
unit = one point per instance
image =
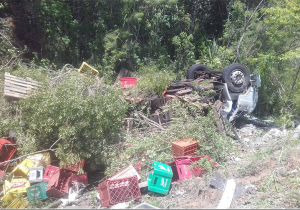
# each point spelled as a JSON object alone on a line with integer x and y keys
{"x": 121, "y": 205}
{"x": 145, "y": 206}
{"x": 125, "y": 173}
{"x": 219, "y": 182}
{"x": 227, "y": 195}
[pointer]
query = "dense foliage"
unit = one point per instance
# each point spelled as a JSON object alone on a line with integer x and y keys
{"x": 83, "y": 114}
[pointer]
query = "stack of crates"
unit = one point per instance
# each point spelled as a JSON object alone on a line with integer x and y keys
{"x": 7, "y": 150}
{"x": 37, "y": 192}
{"x": 159, "y": 180}
{"x": 184, "y": 147}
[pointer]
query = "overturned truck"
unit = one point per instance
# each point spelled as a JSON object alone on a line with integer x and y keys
{"x": 232, "y": 92}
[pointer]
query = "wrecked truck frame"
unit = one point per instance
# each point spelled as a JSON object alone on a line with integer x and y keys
{"x": 236, "y": 90}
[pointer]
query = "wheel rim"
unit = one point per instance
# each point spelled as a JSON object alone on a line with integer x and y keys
{"x": 237, "y": 77}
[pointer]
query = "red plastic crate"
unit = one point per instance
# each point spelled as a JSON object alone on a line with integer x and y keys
{"x": 119, "y": 190}
{"x": 79, "y": 178}
{"x": 58, "y": 184}
{"x": 7, "y": 150}
{"x": 182, "y": 169}
{"x": 197, "y": 171}
{"x": 75, "y": 167}
{"x": 2, "y": 173}
{"x": 184, "y": 147}
{"x": 175, "y": 177}
{"x": 49, "y": 171}
{"x": 128, "y": 82}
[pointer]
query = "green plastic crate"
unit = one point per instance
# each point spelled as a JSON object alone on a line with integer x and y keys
{"x": 162, "y": 169}
{"x": 37, "y": 192}
{"x": 159, "y": 181}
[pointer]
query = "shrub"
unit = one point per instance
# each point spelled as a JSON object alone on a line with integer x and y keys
{"x": 85, "y": 116}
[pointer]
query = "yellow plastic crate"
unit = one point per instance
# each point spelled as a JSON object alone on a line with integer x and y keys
{"x": 18, "y": 185}
{"x": 18, "y": 203}
{"x": 22, "y": 168}
{"x": 40, "y": 159}
{"x": 8, "y": 198}
{"x": 86, "y": 68}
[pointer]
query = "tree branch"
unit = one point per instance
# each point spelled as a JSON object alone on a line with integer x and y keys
{"x": 33, "y": 153}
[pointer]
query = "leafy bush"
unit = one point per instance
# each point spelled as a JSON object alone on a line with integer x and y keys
{"x": 153, "y": 80}
{"x": 85, "y": 116}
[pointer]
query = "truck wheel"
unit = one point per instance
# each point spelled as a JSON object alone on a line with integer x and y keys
{"x": 237, "y": 77}
{"x": 191, "y": 73}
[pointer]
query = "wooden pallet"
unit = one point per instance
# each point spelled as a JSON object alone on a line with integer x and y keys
{"x": 16, "y": 88}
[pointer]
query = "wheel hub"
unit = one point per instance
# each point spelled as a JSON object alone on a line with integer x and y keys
{"x": 237, "y": 77}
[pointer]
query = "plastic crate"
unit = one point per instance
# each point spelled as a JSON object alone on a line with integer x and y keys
{"x": 37, "y": 192}
{"x": 79, "y": 178}
{"x": 8, "y": 198}
{"x": 160, "y": 179}
{"x": 58, "y": 183}
{"x": 2, "y": 173}
{"x": 86, "y": 68}
{"x": 119, "y": 190}
{"x": 49, "y": 171}
{"x": 7, "y": 150}
{"x": 75, "y": 167}
{"x": 128, "y": 82}
{"x": 36, "y": 174}
{"x": 126, "y": 172}
{"x": 197, "y": 171}
{"x": 182, "y": 169}
{"x": 18, "y": 203}
{"x": 22, "y": 169}
{"x": 40, "y": 159}
{"x": 184, "y": 147}
{"x": 17, "y": 185}
{"x": 174, "y": 169}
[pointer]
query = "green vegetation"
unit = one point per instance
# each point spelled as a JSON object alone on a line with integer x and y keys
{"x": 157, "y": 40}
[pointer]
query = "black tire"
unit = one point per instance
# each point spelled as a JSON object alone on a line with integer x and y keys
{"x": 197, "y": 67}
{"x": 237, "y": 77}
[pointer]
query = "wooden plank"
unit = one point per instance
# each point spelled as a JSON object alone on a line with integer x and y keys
{"x": 227, "y": 195}
{"x": 18, "y": 90}
{"x": 20, "y": 81}
{"x": 8, "y": 84}
{"x": 183, "y": 92}
{"x": 9, "y": 76}
{"x": 13, "y": 95}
